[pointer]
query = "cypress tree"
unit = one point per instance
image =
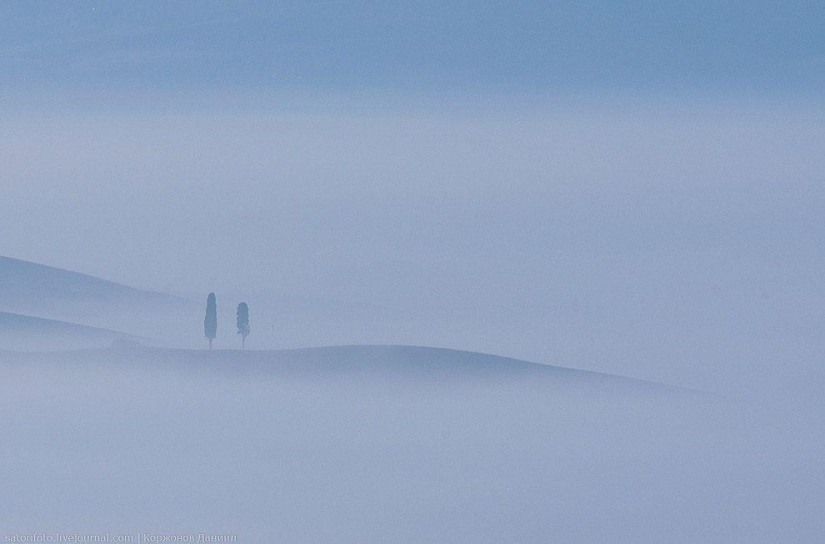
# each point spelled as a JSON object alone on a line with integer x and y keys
{"x": 210, "y": 322}
{"x": 243, "y": 322}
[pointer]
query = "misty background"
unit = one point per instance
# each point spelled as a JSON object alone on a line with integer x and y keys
{"x": 635, "y": 189}
{"x": 461, "y": 209}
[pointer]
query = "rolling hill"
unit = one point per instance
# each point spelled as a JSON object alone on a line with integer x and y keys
{"x": 31, "y": 286}
{"x": 389, "y": 363}
{"x": 69, "y": 309}
{"x": 22, "y": 332}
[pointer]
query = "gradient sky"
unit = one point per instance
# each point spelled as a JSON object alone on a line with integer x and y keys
{"x": 426, "y": 46}
{"x": 632, "y": 187}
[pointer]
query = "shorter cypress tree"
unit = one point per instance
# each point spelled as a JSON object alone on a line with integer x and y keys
{"x": 210, "y": 322}
{"x": 243, "y": 322}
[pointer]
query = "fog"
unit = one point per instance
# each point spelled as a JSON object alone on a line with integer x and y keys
{"x": 673, "y": 241}
{"x": 391, "y": 444}
{"x": 669, "y": 241}
{"x": 546, "y": 272}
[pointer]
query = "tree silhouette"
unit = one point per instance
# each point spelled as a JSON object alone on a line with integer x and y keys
{"x": 210, "y": 322}
{"x": 243, "y": 322}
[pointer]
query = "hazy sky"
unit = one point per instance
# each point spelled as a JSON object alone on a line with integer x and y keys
{"x": 426, "y": 45}
{"x": 633, "y": 187}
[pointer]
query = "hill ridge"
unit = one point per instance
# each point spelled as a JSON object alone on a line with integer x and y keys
{"x": 21, "y": 274}
{"x": 379, "y": 359}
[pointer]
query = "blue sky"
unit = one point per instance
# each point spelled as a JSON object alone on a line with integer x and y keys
{"x": 752, "y": 47}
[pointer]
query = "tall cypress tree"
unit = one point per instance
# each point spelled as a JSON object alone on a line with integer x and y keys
{"x": 210, "y": 322}
{"x": 243, "y": 322}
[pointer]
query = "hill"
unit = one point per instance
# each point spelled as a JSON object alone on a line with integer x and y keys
{"x": 22, "y": 332}
{"x": 27, "y": 285}
{"x": 31, "y": 289}
{"x": 405, "y": 364}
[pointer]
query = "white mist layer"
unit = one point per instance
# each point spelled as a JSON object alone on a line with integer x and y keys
{"x": 392, "y": 444}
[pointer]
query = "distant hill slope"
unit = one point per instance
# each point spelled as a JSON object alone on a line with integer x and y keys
{"x": 32, "y": 289}
{"x": 386, "y": 363}
{"x": 22, "y": 332}
{"x": 28, "y": 284}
